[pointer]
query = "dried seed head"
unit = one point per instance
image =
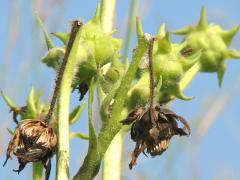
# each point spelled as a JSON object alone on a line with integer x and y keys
{"x": 33, "y": 140}
{"x": 152, "y": 130}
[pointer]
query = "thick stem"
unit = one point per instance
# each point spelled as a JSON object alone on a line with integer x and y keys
{"x": 112, "y": 158}
{"x": 107, "y": 14}
{"x": 37, "y": 171}
{"x": 64, "y": 100}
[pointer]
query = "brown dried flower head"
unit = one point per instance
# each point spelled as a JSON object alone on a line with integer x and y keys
{"x": 33, "y": 140}
{"x": 152, "y": 130}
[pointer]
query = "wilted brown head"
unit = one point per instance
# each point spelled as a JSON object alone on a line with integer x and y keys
{"x": 33, "y": 140}
{"x": 152, "y": 129}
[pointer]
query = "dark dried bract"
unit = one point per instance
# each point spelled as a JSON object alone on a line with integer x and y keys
{"x": 16, "y": 111}
{"x": 152, "y": 130}
{"x": 33, "y": 140}
{"x": 82, "y": 89}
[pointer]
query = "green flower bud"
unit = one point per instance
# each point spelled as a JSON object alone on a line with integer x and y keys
{"x": 104, "y": 46}
{"x": 170, "y": 64}
{"x": 171, "y": 71}
{"x": 112, "y": 75}
{"x": 213, "y": 42}
{"x": 139, "y": 93}
{"x": 53, "y": 57}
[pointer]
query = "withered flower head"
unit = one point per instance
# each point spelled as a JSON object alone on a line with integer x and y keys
{"x": 152, "y": 129}
{"x": 33, "y": 140}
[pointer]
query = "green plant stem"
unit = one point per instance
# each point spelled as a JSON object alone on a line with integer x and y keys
{"x": 37, "y": 171}
{"x": 107, "y": 14}
{"x": 63, "y": 105}
{"x": 91, "y": 162}
{"x": 113, "y": 155}
{"x": 131, "y": 17}
{"x": 113, "y": 126}
{"x": 112, "y": 158}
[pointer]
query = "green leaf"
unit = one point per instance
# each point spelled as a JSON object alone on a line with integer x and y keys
{"x": 47, "y": 38}
{"x": 76, "y": 113}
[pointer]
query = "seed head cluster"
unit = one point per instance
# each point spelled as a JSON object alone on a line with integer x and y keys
{"x": 33, "y": 140}
{"x": 152, "y": 129}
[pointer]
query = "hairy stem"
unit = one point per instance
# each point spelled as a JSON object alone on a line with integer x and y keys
{"x": 60, "y": 74}
{"x": 151, "y": 76}
{"x": 65, "y": 80}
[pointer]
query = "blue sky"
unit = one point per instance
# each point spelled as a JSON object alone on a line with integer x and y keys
{"x": 213, "y": 156}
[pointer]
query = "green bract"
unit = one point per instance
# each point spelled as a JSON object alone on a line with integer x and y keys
{"x": 213, "y": 42}
{"x": 169, "y": 67}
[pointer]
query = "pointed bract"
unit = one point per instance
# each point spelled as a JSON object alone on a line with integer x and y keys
{"x": 31, "y": 107}
{"x": 177, "y": 92}
{"x": 62, "y": 36}
{"x": 220, "y": 73}
{"x": 139, "y": 30}
{"x": 162, "y": 31}
{"x": 164, "y": 44}
{"x": 97, "y": 15}
{"x": 183, "y": 31}
{"x": 202, "y": 24}
{"x": 8, "y": 101}
{"x": 48, "y": 40}
{"x": 234, "y": 54}
{"x": 229, "y": 35}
